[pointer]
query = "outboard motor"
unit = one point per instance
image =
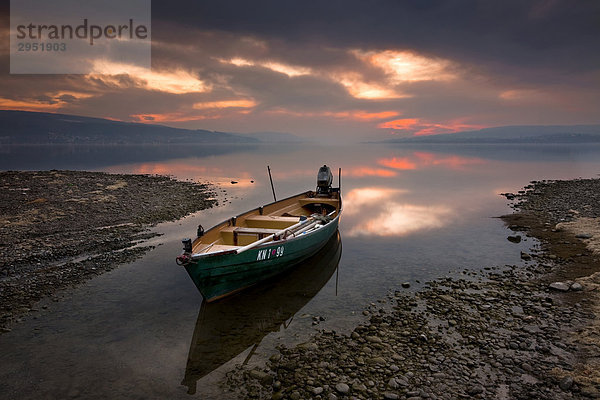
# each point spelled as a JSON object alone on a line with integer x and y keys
{"x": 324, "y": 180}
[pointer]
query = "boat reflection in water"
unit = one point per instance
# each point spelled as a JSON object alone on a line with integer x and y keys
{"x": 226, "y": 328}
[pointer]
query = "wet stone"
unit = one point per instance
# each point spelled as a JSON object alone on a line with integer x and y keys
{"x": 474, "y": 390}
{"x": 566, "y": 383}
{"x": 559, "y": 286}
{"x": 342, "y": 388}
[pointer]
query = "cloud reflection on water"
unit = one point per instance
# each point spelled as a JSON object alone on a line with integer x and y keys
{"x": 379, "y": 211}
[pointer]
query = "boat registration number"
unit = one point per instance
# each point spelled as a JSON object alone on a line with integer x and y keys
{"x": 270, "y": 253}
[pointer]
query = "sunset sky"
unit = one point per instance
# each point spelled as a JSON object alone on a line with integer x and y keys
{"x": 349, "y": 69}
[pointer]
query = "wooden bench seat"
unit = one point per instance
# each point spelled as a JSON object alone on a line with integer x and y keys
{"x": 255, "y": 231}
{"x": 271, "y": 221}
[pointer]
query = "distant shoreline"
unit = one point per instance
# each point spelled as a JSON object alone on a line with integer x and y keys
{"x": 60, "y": 228}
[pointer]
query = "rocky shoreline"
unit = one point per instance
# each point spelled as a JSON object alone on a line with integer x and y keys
{"x": 60, "y": 228}
{"x": 527, "y": 331}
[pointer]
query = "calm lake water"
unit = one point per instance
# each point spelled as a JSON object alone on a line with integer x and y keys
{"x": 141, "y": 331}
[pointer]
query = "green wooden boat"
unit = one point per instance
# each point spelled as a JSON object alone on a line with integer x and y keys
{"x": 224, "y": 329}
{"x": 263, "y": 242}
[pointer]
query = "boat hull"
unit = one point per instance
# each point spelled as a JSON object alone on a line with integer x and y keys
{"x": 226, "y": 328}
{"x": 223, "y": 274}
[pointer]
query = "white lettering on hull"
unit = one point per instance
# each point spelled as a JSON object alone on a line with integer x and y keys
{"x": 266, "y": 254}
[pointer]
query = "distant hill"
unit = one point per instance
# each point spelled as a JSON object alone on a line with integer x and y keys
{"x": 514, "y": 134}
{"x": 276, "y": 137}
{"x": 24, "y": 127}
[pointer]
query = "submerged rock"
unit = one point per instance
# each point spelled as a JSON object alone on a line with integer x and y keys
{"x": 514, "y": 239}
{"x": 525, "y": 256}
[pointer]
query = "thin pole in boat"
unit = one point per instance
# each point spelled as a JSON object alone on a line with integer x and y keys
{"x": 272, "y": 187}
{"x": 340, "y": 180}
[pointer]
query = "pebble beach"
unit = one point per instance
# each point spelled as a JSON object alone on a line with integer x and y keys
{"x": 527, "y": 331}
{"x": 60, "y": 228}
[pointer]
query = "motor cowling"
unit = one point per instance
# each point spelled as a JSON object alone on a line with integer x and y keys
{"x": 324, "y": 180}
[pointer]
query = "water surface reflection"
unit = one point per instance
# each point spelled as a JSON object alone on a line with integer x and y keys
{"x": 380, "y": 211}
{"x": 412, "y": 213}
{"x": 228, "y": 327}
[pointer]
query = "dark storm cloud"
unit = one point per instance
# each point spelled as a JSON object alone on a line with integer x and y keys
{"x": 544, "y": 33}
{"x": 352, "y": 68}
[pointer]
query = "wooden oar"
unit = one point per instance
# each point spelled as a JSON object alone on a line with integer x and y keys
{"x": 270, "y": 237}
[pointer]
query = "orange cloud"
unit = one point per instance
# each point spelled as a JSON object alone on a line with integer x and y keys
{"x": 175, "y": 82}
{"x": 8, "y": 104}
{"x": 398, "y": 163}
{"x": 400, "y": 124}
{"x": 408, "y": 66}
{"x": 419, "y": 127}
{"x": 49, "y": 102}
{"x": 359, "y": 88}
{"x": 242, "y": 103}
{"x": 369, "y": 116}
{"x": 286, "y": 69}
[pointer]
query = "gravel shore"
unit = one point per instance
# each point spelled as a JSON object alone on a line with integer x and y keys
{"x": 59, "y": 228}
{"x": 526, "y": 331}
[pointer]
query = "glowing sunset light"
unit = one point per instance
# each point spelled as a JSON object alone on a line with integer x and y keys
{"x": 401, "y": 124}
{"x": 368, "y": 116}
{"x": 421, "y": 128}
{"x": 386, "y": 216}
{"x": 407, "y": 66}
{"x": 239, "y": 62}
{"x": 360, "y": 89}
{"x": 185, "y": 170}
{"x": 356, "y": 199}
{"x": 450, "y": 161}
{"x": 289, "y": 70}
{"x": 354, "y": 83}
{"x": 225, "y": 104}
{"x": 50, "y": 101}
{"x": 175, "y": 82}
{"x": 397, "y": 219}
{"x": 32, "y": 105}
{"x": 523, "y": 95}
{"x": 398, "y": 163}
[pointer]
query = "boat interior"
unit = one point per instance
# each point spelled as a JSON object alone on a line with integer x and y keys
{"x": 283, "y": 217}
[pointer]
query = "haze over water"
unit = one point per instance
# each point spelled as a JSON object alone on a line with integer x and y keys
{"x": 410, "y": 213}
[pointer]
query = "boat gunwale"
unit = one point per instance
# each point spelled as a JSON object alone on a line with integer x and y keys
{"x": 199, "y": 256}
